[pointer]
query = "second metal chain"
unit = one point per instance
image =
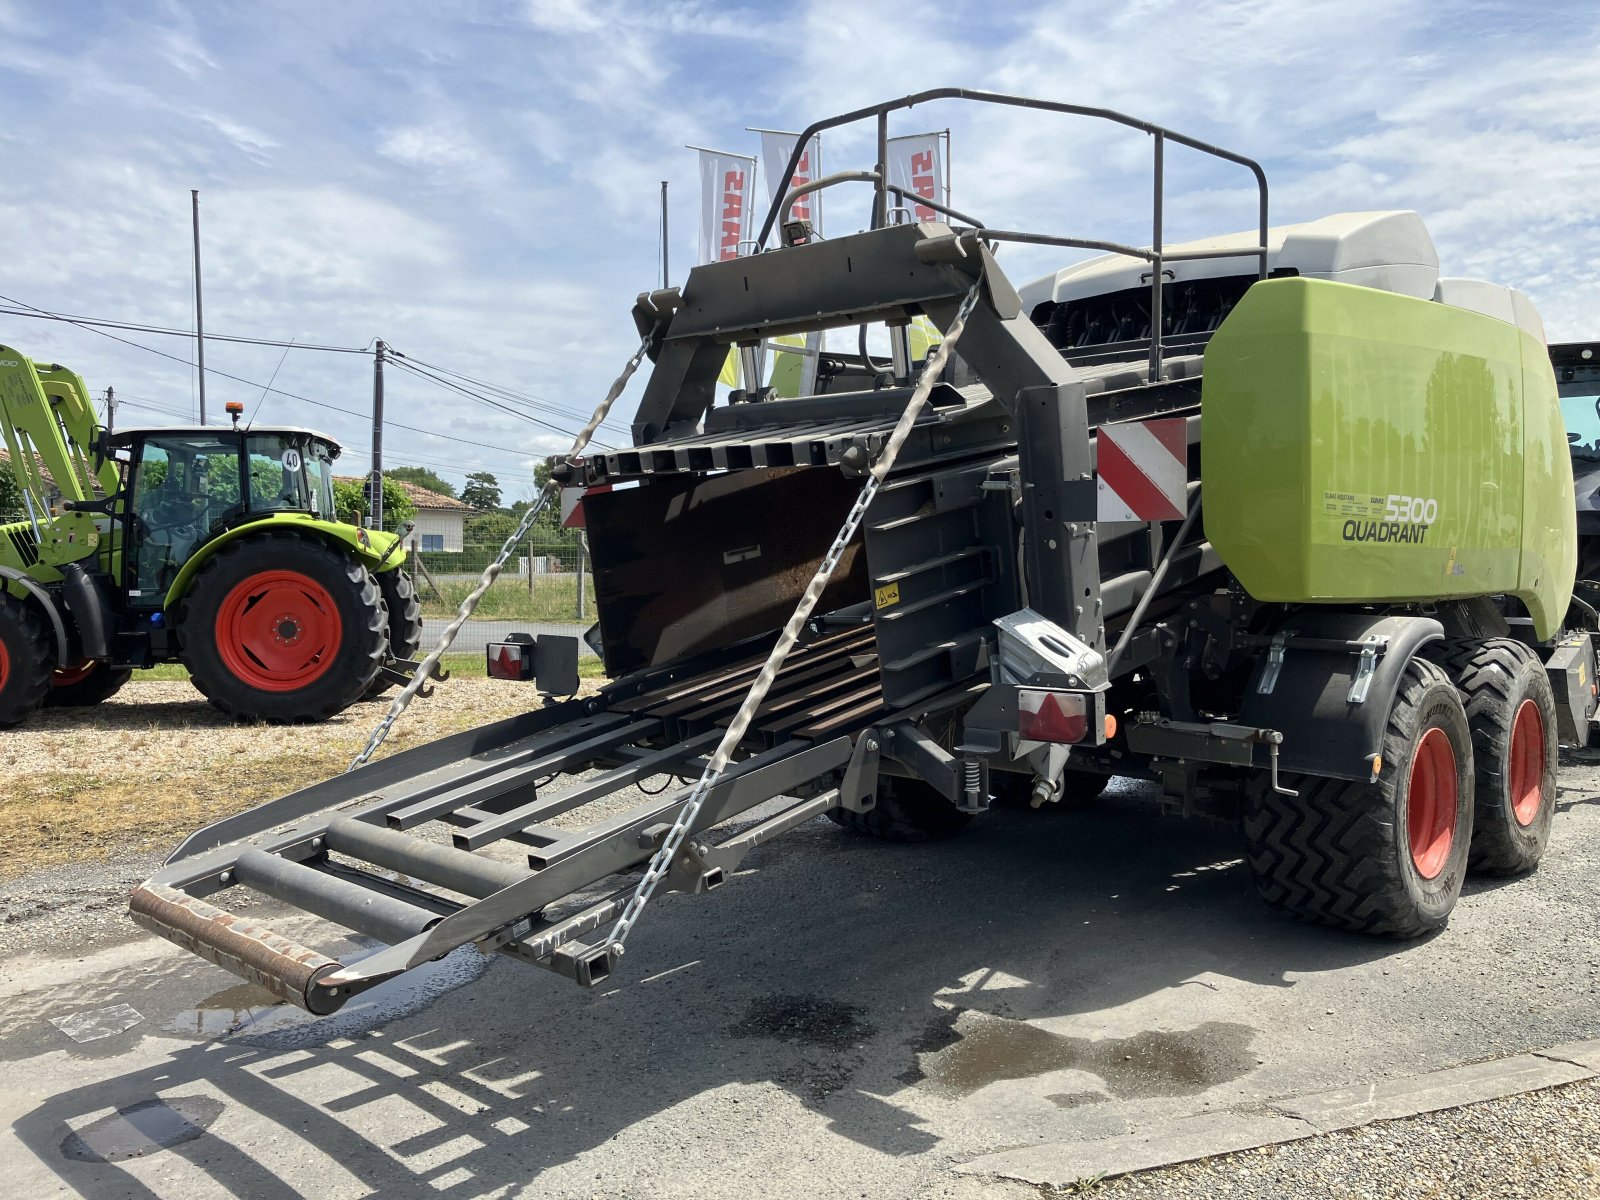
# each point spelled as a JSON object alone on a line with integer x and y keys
{"x": 661, "y": 862}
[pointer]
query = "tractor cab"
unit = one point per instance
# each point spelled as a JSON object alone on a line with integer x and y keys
{"x": 183, "y": 486}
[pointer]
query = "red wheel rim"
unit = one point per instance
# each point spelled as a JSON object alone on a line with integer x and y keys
{"x": 278, "y": 631}
{"x": 67, "y": 676}
{"x": 5, "y": 664}
{"x": 1527, "y": 763}
{"x": 1431, "y": 803}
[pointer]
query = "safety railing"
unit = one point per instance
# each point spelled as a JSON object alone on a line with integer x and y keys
{"x": 1155, "y": 255}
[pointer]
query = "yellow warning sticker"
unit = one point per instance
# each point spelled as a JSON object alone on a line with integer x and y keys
{"x": 888, "y": 594}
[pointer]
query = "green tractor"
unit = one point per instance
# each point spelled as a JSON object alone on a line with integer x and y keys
{"x": 212, "y": 546}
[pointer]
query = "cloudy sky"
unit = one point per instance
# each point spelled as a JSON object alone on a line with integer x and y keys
{"x": 476, "y": 182}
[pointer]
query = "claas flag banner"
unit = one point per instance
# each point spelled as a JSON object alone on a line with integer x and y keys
{"x": 794, "y": 374}
{"x": 727, "y": 192}
{"x": 917, "y": 164}
{"x": 920, "y": 164}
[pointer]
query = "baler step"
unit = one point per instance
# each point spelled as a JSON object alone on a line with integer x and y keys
{"x": 430, "y": 862}
{"x": 341, "y": 901}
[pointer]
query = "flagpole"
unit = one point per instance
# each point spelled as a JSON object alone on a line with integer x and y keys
{"x": 665, "y": 274}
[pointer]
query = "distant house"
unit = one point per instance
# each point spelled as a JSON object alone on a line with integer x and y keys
{"x": 441, "y": 520}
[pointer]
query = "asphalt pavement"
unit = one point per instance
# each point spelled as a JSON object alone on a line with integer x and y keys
{"x": 842, "y": 1018}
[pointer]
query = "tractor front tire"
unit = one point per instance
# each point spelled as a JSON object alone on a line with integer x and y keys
{"x": 1512, "y": 713}
{"x": 279, "y": 627}
{"x": 1386, "y": 857}
{"x": 26, "y": 653}
{"x": 405, "y": 620}
{"x": 905, "y": 810}
{"x": 85, "y": 685}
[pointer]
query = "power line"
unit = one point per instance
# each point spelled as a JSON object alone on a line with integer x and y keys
{"x": 39, "y": 314}
{"x": 508, "y": 393}
{"x": 275, "y": 391}
{"x": 485, "y": 400}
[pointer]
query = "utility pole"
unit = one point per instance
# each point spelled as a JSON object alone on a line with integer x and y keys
{"x": 199, "y": 310}
{"x": 111, "y": 409}
{"x": 375, "y": 509}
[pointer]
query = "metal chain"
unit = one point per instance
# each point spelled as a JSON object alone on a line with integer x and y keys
{"x": 661, "y": 862}
{"x": 492, "y": 571}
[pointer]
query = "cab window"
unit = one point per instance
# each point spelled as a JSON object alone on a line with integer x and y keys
{"x": 183, "y": 485}
{"x": 277, "y": 472}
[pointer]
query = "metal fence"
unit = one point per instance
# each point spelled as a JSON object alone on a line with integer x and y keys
{"x": 546, "y": 587}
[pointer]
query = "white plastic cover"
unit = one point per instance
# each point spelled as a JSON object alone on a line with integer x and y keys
{"x": 1492, "y": 300}
{"x": 1388, "y": 250}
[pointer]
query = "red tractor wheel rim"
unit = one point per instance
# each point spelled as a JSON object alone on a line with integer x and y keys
{"x": 278, "y": 631}
{"x": 5, "y": 664}
{"x": 1431, "y": 803}
{"x": 67, "y": 676}
{"x": 1527, "y": 763}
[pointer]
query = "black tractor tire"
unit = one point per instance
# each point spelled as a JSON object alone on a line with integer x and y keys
{"x": 26, "y": 659}
{"x": 1512, "y": 713}
{"x": 1386, "y": 857}
{"x": 70, "y": 689}
{"x": 906, "y": 810}
{"x": 284, "y": 628}
{"x": 405, "y": 620}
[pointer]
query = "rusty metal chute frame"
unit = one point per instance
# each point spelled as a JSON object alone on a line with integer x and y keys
{"x": 466, "y": 841}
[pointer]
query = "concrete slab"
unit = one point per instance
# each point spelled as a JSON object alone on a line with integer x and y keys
{"x": 1585, "y": 1054}
{"x": 1066, "y": 1163}
{"x": 1452, "y": 1088}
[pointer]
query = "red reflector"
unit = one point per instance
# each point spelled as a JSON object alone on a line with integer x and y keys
{"x": 506, "y": 661}
{"x": 1051, "y": 716}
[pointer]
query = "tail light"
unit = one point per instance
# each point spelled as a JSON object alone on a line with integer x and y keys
{"x": 1050, "y": 716}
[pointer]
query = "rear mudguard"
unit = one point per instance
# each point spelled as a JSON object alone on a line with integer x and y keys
{"x": 372, "y": 546}
{"x": 1307, "y": 695}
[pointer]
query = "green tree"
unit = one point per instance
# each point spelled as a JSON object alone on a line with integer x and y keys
{"x": 482, "y": 491}
{"x": 488, "y": 529}
{"x": 422, "y": 477}
{"x": 350, "y": 503}
{"x": 10, "y": 494}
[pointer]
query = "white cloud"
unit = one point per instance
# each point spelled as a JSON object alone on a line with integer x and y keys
{"x": 480, "y": 190}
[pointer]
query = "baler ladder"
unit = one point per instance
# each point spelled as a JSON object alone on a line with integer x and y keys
{"x": 413, "y": 850}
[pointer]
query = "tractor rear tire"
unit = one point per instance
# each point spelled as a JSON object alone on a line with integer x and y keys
{"x": 279, "y": 627}
{"x": 26, "y": 653}
{"x": 405, "y": 620}
{"x": 86, "y": 685}
{"x": 906, "y": 810}
{"x": 1386, "y": 857}
{"x": 1512, "y": 713}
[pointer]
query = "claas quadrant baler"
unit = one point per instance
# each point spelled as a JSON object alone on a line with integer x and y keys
{"x": 1281, "y": 522}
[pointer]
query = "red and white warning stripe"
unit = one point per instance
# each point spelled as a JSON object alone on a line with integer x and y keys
{"x": 572, "y": 504}
{"x": 1143, "y": 470}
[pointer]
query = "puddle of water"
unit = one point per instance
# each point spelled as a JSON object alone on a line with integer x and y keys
{"x": 254, "y": 1015}
{"x": 809, "y": 1020}
{"x": 142, "y": 1129}
{"x": 991, "y": 1049}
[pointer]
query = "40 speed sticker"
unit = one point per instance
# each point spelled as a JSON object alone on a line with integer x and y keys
{"x": 1391, "y": 518}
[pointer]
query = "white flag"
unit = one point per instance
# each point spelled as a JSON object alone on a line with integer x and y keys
{"x": 727, "y": 188}
{"x": 775, "y": 151}
{"x": 916, "y": 164}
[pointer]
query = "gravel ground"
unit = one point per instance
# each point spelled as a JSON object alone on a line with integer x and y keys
{"x": 97, "y": 797}
{"x": 1537, "y": 1146}
{"x": 168, "y": 727}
